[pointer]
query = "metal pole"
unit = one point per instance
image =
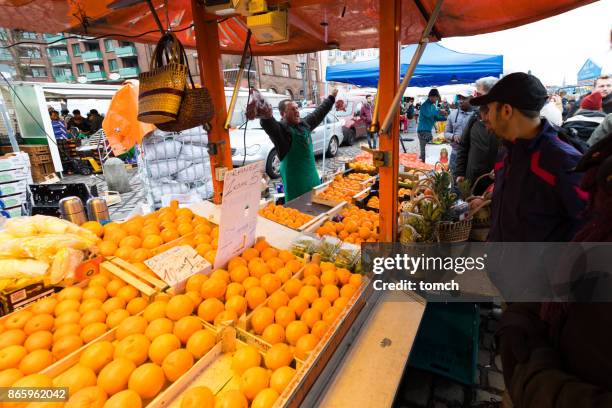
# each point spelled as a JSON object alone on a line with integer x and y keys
{"x": 415, "y": 60}
{"x": 324, "y": 137}
{"x": 230, "y": 110}
{"x": 304, "y": 81}
{"x": 7, "y": 122}
{"x": 155, "y": 16}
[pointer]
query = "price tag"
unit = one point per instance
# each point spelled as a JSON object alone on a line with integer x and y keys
{"x": 177, "y": 264}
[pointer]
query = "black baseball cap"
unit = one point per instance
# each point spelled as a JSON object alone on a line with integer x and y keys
{"x": 520, "y": 90}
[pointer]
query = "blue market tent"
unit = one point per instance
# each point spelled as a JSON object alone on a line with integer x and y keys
{"x": 438, "y": 66}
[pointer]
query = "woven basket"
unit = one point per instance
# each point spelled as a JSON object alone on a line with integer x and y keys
{"x": 455, "y": 231}
{"x": 162, "y": 88}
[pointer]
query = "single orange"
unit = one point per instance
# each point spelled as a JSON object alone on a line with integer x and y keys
{"x": 112, "y": 304}
{"x": 68, "y": 317}
{"x": 39, "y": 340}
{"x": 90, "y": 304}
{"x": 132, "y": 241}
{"x": 113, "y": 286}
{"x": 198, "y": 397}
{"x": 200, "y": 343}
{"x": 72, "y": 329}
{"x": 255, "y": 296}
{"x": 250, "y": 282}
{"x": 253, "y": 380}
{"x": 347, "y": 290}
{"x": 12, "y": 337}
{"x": 226, "y": 317}
{"x": 321, "y": 304}
{"x": 231, "y": 399}
{"x": 152, "y": 241}
{"x": 245, "y": 358}
{"x": 250, "y": 253}
{"x": 147, "y": 380}
{"x": 210, "y": 255}
{"x": 210, "y": 308}
{"x": 274, "y": 333}
{"x": 319, "y": 329}
{"x": 279, "y": 355}
{"x": 39, "y": 323}
{"x": 176, "y": 364}
{"x": 90, "y": 397}
{"x": 331, "y": 314}
{"x": 95, "y": 292}
{"x": 155, "y": 310}
{"x": 71, "y": 292}
{"x": 137, "y": 305}
{"x": 270, "y": 282}
{"x": 141, "y": 255}
{"x": 277, "y": 299}
{"x": 127, "y": 293}
{"x": 65, "y": 345}
{"x": 284, "y": 315}
{"x": 92, "y": 316}
{"x": 312, "y": 280}
{"x": 213, "y": 288}
{"x": 298, "y": 304}
{"x": 295, "y": 330}
{"x": 239, "y": 273}
{"x": 185, "y": 327}
{"x": 45, "y": 305}
{"x": 97, "y": 355}
{"x": 9, "y": 376}
{"x": 158, "y": 327}
{"x": 76, "y": 378}
{"x": 131, "y": 325}
{"x": 284, "y": 274}
{"x": 310, "y": 317}
{"x": 114, "y": 377}
{"x": 179, "y": 306}
{"x": 281, "y": 377}
{"x": 236, "y": 303}
{"x": 312, "y": 270}
{"x": 262, "y": 318}
{"x": 305, "y": 345}
{"x": 107, "y": 248}
{"x": 94, "y": 226}
{"x": 163, "y": 345}
{"x": 294, "y": 265}
{"x": 92, "y": 331}
{"x": 292, "y": 287}
{"x": 134, "y": 347}
{"x": 234, "y": 288}
{"x": 169, "y": 234}
{"x": 236, "y": 261}
{"x": 184, "y": 229}
{"x": 35, "y": 361}
{"x": 341, "y": 302}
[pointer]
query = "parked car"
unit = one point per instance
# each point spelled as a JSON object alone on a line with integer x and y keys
{"x": 354, "y": 126}
{"x": 260, "y": 147}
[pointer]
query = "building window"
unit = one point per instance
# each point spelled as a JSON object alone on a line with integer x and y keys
{"x": 28, "y": 35}
{"x": 39, "y": 72}
{"x": 289, "y": 93}
{"x": 96, "y": 68}
{"x": 273, "y": 90}
{"x": 76, "y": 49}
{"x": 269, "y": 67}
{"x": 313, "y": 75}
{"x": 298, "y": 71}
{"x": 108, "y": 45}
{"x": 81, "y": 69}
{"x": 112, "y": 65}
{"x": 27, "y": 52}
{"x": 285, "y": 70}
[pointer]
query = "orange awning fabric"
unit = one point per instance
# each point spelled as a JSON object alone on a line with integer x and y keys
{"x": 314, "y": 25}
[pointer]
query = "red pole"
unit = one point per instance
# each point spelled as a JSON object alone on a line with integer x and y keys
{"x": 390, "y": 11}
{"x": 209, "y": 58}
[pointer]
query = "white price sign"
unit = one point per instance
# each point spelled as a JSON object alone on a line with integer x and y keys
{"x": 241, "y": 195}
{"x": 177, "y": 264}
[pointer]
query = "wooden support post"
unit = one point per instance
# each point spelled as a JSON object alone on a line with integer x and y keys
{"x": 209, "y": 60}
{"x": 389, "y": 33}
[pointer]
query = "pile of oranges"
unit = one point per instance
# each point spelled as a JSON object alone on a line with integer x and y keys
{"x": 227, "y": 294}
{"x": 134, "y": 240}
{"x": 300, "y": 313}
{"x": 290, "y": 217}
{"x": 357, "y": 226}
{"x": 34, "y": 338}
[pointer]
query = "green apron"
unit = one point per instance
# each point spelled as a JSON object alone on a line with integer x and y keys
{"x": 298, "y": 168}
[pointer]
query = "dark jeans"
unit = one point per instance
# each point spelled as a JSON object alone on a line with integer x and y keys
{"x": 424, "y": 138}
{"x": 374, "y": 139}
{"x": 452, "y": 162}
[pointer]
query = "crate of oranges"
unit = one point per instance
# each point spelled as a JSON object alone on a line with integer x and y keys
{"x": 289, "y": 217}
{"x": 353, "y": 225}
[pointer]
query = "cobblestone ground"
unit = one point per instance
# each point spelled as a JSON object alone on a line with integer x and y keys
{"x": 423, "y": 389}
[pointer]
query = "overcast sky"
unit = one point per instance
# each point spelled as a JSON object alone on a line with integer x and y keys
{"x": 553, "y": 49}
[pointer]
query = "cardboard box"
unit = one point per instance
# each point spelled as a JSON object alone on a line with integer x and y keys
{"x": 14, "y": 161}
{"x": 12, "y": 201}
{"x": 15, "y": 187}
{"x": 19, "y": 298}
{"x": 16, "y": 175}
{"x": 12, "y": 212}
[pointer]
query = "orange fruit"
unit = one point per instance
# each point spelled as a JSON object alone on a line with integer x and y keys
{"x": 298, "y": 304}
{"x": 262, "y": 318}
{"x": 92, "y": 316}
{"x": 292, "y": 287}
{"x": 127, "y": 293}
{"x": 113, "y": 286}
{"x": 134, "y": 347}
{"x": 114, "y": 377}
{"x": 158, "y": 327}
{"x": 90, "y": 304}
{"x": 341, "y": 302}
{"x": 12, "y": 337}
{"x": 239, "y": 273}
{"x": 195, "y": 297}
{"x": 268, "y": 253}
{"x": 169, "y": 234}
{"x": 312, "y": 281}
{"x": 347, "y": 291}
{"x": 330, "y": 292}
{"x": 260, "y": 245}
{"x": 285, "y": 255}
{"x": 319, "y": 328}
{"x": 294, "y": 265}
{"x": 245, "y": 358}
{"x": 185, "y": 327}
{"x": 265, "y": 399}
{"x": 176, "y": 364}
{"x": 136, "y": 305}
{"x": 68, "y": 317}
{"x": 210, "y": 256}
{"x": 203, "y": 248}
{"x": 210, "y": 308}
{"x": 97, "y": 355}
{"x": 167, "y": 224}
{"x": 213, "y": 288}
{"x": 203, "y": 228}
{"x": 281, "y": 377}
{"x": 194, "y": 283}
{"x": 274, "y": 333}
{"x": 278, "y": 299}
{"x": 9, "y": 376}
{"x": 321, "y": 304}
{"x": 155, "y": 310}
{"x": 184, "y": 212}
{"x": 236, "y": 303}
{"x": 125, "y": 398}
{"x": 131, "y": 325}
{"x": 221, "y": 274}
{"x": 355, "y": 280}
{"x": 35, "y": 361}
{"x": 327, "y": 266}
{"x": 95, "y": 292}
{"x": 147, "y": 380}
{"x": 255, "y": 296}
{"x": 115, "y": 317}
{"x": 284, "y": 315}
{"x": 131, "y": 241}
{"x": 41, "y": 340}
{"x": 116, "y": 235}
{"x": 184, "y": 229}
{"x": 234, "y": 288}
{"x": 152, "y": 241}
{"x": 329, "y": 278}
{"x": 250, "y": 282}
{"x": 72, "y": 329}
{"x": 310, "y": 293}
{"x": 312, "y": 270}
{"x": 236, "y": 261}
{"x": 46, "y": 305}
{"x": 277, "y": 356}
{"x": 93, "y": 226}
{"x": 253, "y": 380}
{"x": 66, "y": 345}
{"x": 150, "y": 230}
{"x": 200, "y": 343}
{"x": 60, "y": 308}
{"x": 231, "y": 399}
{"x": 163, "y": 345}
{"x": 331, "y": 314}
{"x": 71, "y": 292}
{"x": 39, "y": 323}
{"x": 225, "y": 317}
{"x": 294, "y": 331}
{"x": 76, "y": 378}
{"x": 107, "y": 248}
{"x": 198, "y": 397}
{"x": 201, "y": 238}
{"x": 179, "y": 306}
{"x": 343, "y": 275}
{"x": 141, "y": 255}
{"x": 249, "y": 254}
{"x": 88, "y": 397}
{"x": 305, "y": 345}
{"x": 270, "y": 282}
{"x": 124, "y": 253}
{"x": 284, "y": 274}
{"x": 310, "y": 317}
{"x": 93, "y": 331}
{"x": 258, "y": 269}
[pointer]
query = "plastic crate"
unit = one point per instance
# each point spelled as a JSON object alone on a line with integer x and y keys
{"x": 447, "y": 341}
{"x": 51, "y": 194}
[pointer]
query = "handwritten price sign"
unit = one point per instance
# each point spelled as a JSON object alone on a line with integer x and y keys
{"x": 241, "y": 195}
{"x": 177, "y": 264}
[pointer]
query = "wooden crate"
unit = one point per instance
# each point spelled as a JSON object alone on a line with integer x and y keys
{"x": 148, "y": 285}
{"x": 41, "y": 171}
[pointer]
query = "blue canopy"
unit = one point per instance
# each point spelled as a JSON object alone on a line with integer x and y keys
{"x": 438, "y": 66}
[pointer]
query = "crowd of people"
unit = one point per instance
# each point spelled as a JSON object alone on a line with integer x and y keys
{"x": 67, "y": 125}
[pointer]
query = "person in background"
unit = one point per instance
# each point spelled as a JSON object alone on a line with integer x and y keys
{"x": 478, "y": 146}
{"x": 367, "y": 109}
{"x": 293, "y": 142}
{"x": 582, "y": 125}
{"x": 457, "y": 119}
{"x": 66, "y": 116}
{"x": 95, "y": 120}
{"x": 603, "y": 85}
{"x": 536, "y": 198}
{"x": 429, "y": 114}
{"x": 59, "y": 129}
{"x": 79, "y": 122}
{"x": 558, "y": 355}
{"x": 553, "y": 110}
{"x": 403, "y": 118}
{"x": 602, "y": 131}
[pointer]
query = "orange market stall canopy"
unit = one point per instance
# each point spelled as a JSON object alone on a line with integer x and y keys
{"x": 314, "y": 25}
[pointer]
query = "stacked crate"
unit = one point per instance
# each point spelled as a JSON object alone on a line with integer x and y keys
{"x": 40, "y": 160}
{"x": 14, "y": 178}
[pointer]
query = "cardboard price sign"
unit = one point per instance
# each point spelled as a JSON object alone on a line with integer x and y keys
{"x": 241, "y": 194}
{"x": 177, "y": 264}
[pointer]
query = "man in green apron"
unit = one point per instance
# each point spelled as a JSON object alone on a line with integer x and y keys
{"x": 293, "y": 143}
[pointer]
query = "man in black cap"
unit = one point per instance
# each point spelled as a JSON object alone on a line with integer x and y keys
{"x": 536, "y": 198}
{"x": 429, "y": 114}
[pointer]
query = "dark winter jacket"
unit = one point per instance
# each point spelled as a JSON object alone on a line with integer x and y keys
{"x": 583, "y": 123}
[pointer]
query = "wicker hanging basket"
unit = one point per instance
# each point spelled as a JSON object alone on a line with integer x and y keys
{"x": 455, "y": 231}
